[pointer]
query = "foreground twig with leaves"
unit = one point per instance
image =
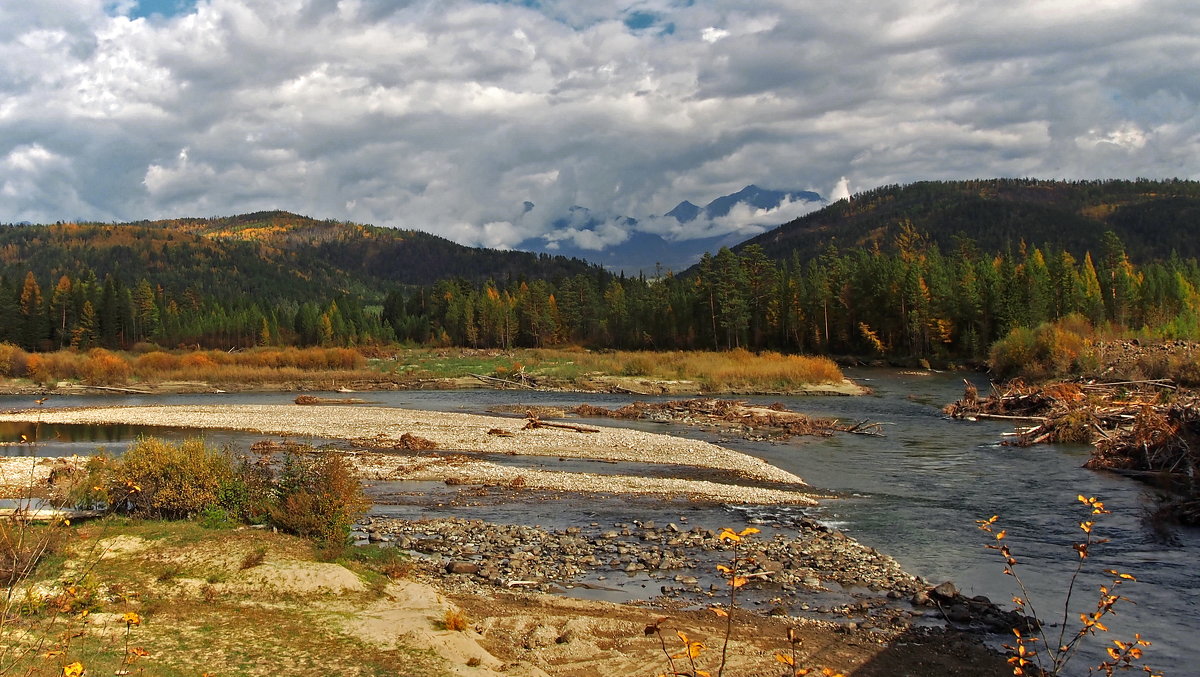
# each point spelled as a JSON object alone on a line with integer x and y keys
{"x": 1034, "y": 653}
{"x": 736, "y": 578}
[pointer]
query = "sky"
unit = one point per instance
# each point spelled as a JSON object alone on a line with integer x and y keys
{"x": 449, "y": 115}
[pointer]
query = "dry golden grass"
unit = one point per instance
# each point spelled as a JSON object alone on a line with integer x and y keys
{"x": 736, "y": 368}
{"x": 260, "y": 365}
{"x": 455, "y": 620}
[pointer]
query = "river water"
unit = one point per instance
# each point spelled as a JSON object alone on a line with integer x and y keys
{"x": 915, "y": 494}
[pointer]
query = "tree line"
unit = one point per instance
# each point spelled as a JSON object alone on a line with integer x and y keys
{"x": 911, "y": 299}
{"x": 84, "y": 312}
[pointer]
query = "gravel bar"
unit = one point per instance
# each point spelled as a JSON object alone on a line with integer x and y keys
{"x": 450, "y": 431}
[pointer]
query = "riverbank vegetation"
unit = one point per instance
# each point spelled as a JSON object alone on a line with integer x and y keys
{"x": 331, "y": 368}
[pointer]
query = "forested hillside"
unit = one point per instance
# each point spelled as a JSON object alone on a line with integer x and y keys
{"x": 899, "y": 289}
{"x": 1153, "y": 218}
{"x": 223, "y": 282}
{"x": 909, "y": 298}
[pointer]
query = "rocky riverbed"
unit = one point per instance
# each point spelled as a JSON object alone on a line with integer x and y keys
{"x": 807, "y": 569}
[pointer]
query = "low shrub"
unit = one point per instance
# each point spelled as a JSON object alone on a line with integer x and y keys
{"x": 103, "y": 368}
{"x": 1053, "y": 349}
{"x": 455, "y": 620}
{"x": 313, "y": 495}
{"x": 155, "y": 362}
{"x": 318, "y": 497}
{"x": 65, "y": 365}
{"x": 197, "y": 361}
{"x": 36, "y": 370}
{"x": 159, "y": 479}
{"x": 12, "y": 361}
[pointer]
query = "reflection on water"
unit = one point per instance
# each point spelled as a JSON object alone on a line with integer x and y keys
{"x": 914, "y": 494}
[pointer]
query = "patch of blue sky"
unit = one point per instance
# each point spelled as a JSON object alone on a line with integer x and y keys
{"x": 532, "y": 4}
{"x": 638, "y": 20}
{"x": 163, "y": 8}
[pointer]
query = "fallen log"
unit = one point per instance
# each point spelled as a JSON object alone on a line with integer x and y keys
{"x": 47, "y": 514}
{"x": 504, "y": 381}
{"x": 1005, "y": 417}
{"x": 115, "y": 389}
{"x": 533, "y": 422}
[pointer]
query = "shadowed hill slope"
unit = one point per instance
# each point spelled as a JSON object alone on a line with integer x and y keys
{"x": 1153, "y": 218}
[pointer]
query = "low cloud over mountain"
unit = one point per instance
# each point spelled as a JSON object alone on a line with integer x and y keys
{"x": 674, "y": 240}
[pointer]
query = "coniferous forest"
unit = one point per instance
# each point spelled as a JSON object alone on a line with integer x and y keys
{"x": 906, "y": 287}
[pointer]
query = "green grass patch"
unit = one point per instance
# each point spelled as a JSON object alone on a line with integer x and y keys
{"x": 733, "y": 369}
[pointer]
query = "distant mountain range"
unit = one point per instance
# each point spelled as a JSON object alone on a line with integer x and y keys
{"x": 672, "y": 241}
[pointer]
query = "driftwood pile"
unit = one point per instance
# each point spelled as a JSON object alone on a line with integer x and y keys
{"x": 774, "y": 420}
{"x": 1147, "y": 429}
{"x": 313, "y": 399}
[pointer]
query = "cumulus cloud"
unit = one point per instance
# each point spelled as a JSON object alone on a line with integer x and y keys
{"x": 448, "y": 115}
{"x": 841, "y": 190}
{"x": 743, "y": 220}
{"x": 593, "y": 237}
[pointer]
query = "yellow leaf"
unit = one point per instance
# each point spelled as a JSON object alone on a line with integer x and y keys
{"x": 694, "y": 649}
{"x": 1000, "y": 536}
{"x": 703, "y": 673}
{"x": 748, "y": 530}
{"x": 73, "y": 670}
{"x": 720, "y": 612}
{"x": 739, "y": 581}
{"x": 786, "y": 660}
{"x": 727, "y": 534}
{"x": 131, "y": 618}
{"x": 682, "y": 636}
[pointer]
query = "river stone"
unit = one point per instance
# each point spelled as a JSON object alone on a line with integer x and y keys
{"x": 945, "y": 590}
{"x": 958, "y": 614}
{"x": 462, "y": 568}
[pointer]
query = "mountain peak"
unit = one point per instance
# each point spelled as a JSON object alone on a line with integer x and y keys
{"x": 685, "y": 212}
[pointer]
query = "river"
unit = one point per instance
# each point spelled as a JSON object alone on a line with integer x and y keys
{"x": 915, "y": 494}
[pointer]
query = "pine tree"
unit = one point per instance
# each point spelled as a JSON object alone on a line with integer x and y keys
{"x": 33, "y": 316}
